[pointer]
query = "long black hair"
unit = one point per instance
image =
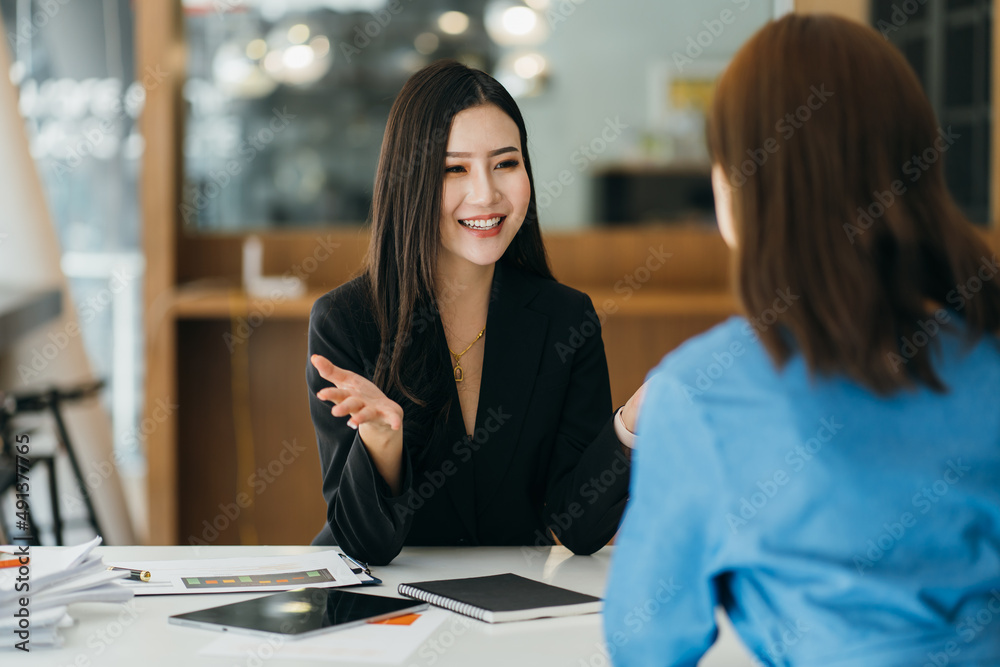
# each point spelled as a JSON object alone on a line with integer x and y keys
{"x": 405, "y": 219}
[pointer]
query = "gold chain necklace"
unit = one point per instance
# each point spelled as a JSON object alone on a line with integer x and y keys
{"x": 459, "y": 374}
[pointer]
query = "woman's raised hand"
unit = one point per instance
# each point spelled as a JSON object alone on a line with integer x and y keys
{"x": 379, "y": 420}
{"x": 358, "y": 397}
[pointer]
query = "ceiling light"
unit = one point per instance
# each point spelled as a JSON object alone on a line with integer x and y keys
{"x": 453, "y": 23}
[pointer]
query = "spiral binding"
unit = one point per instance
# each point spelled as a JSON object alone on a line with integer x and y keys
{"x": 441, "y": 601}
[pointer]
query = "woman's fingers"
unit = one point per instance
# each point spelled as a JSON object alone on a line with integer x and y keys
{"x": 334, "y": 394}
{"x": 355, "y": 396}
{"x": 366, "y": 414}
{"x": 348, "y": 407}
{"x": 395, "y": 418}
{"x": 328, "y": 371}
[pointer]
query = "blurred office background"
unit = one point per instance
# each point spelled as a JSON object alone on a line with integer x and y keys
{"x": 167, "y": 133}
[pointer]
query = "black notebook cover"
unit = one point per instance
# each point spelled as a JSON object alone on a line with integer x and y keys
{"x": 502, "y": 597}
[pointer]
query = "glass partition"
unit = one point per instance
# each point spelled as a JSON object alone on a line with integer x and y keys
{"x": 286, "y": 101}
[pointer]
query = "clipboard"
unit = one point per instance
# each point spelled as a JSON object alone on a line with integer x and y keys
{"x": 362, "y": 571}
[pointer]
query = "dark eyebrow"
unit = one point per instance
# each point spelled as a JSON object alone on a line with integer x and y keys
{"x": 499, "y": 151}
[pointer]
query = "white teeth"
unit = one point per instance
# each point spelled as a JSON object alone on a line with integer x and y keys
{"x": 482, "y": 224}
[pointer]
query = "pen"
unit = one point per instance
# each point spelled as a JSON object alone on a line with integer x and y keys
{"x": 134, "y": 575}
{"x": 363, "y": 566}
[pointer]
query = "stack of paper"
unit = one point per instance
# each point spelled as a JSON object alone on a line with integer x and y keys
{"x": 34, "y": 597}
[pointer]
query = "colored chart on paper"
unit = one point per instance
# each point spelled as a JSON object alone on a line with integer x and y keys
{"x": 292, "y": 579}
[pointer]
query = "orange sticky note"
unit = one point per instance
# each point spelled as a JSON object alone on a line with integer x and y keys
{"x": 408, "y": 619}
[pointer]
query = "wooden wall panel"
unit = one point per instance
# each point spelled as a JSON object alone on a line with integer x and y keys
{"x": 591, "y": 257}
{"x": 859, "y": 10}
{"x": 206, "y": 449}
{"x": 283, "y": 503}
{"x": 160, "y": 66}
{"x": 635, "y": 345}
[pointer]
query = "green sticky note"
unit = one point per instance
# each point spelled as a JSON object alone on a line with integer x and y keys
{"x": 193, "y": 581}
{"x": 313, "y": 574}
{"x": 246, "y": 580}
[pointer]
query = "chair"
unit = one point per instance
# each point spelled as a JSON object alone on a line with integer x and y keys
{"x": 14, "y": 466}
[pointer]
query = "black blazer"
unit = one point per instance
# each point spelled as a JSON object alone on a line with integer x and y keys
{"x": 544, "y": 454}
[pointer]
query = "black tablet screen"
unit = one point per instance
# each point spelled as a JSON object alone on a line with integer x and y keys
{"x": 302, "y": 610}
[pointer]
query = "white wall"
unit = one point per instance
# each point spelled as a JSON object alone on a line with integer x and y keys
{"x": 605, "y": 77}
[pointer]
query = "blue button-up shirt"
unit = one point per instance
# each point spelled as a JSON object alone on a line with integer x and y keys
{"x": 834, "y": 526}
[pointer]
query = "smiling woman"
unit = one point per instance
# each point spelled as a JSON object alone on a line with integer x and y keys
{"x": 456, "y": 419}
{"x": 486, "y": 188}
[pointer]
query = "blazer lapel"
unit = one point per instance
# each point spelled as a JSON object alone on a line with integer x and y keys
{"x": 460, "y": 486}
{"x": 515, "y": 337}
{"x": 514, "y": 345}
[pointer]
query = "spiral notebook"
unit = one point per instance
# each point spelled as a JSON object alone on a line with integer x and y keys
{"x": 502, "y": 597}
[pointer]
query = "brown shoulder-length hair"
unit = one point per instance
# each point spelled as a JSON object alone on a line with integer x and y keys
{"x": 833, "y": 155}
{"x": 405, "y": 220}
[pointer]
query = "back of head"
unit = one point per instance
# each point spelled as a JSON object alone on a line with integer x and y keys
{"x": 834, "y": 158}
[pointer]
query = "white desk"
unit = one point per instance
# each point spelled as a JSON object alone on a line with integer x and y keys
{"x": 138, "y": 634}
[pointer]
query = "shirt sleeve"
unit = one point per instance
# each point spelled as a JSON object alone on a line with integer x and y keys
{"x": 588, "y": 482}
{"x": 367, "y": 522}
{"x": 661, "y": 592}
{"x": 625, "y": 436}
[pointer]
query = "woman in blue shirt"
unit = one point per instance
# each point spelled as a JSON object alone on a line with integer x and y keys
{"x": 827, "y": 468}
